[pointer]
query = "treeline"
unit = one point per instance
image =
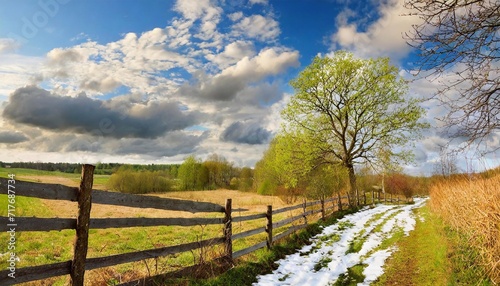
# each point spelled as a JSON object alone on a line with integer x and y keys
{"x": 100, "y": 168}
{"x": 193, "y": 174}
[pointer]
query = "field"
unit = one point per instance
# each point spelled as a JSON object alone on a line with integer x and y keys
{"x": 38, "y": 248}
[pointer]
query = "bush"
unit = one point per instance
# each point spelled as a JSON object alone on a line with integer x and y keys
{"x": 125, "y": 180}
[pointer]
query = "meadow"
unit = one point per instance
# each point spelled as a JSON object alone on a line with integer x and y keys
{"x": 38, "y": 248}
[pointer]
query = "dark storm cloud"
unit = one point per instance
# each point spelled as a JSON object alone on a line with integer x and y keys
{"x": 12, "y": 137}
{"x": 37, "y": 107}
{"x": 246, "y": 132}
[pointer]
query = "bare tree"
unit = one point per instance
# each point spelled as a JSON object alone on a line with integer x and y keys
{"x": 461, "y": 38}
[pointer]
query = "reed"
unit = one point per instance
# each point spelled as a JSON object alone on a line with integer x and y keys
{"x": 471, "y": 205}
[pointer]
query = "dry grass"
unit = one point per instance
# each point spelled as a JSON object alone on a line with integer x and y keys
{"x": 472, "y": 206}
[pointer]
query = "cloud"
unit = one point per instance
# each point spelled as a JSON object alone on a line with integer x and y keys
{"x": 246, "y": 132}
{"x": 257, "y": 27}
{"x": 384, "y": 37}
{"x": 10, "y": 137}
{"x": 34, "y": 106}
{"x": 232, "y": 53}
{"x": 8, "y": 45}
{"x": 228, "y": 83}
{"x": 196, "y": 9}
{"x": 253, "y": 2}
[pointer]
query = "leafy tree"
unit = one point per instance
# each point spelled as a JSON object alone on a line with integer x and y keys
{"x": 461, "y": 37}
{"x": 347, "y": 108}
{"x": 188, "y": 174}
{"x": 326, "y": 180}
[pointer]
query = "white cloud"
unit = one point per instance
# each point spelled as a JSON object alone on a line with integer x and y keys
{"x": 263, "y": 2}
{"x": 383, "y": 37}
{"x": 258, "y": 27}
{"x": 197, "y": 9}
{"x": 232, "y": 53}
{"x": 8, "y": 45}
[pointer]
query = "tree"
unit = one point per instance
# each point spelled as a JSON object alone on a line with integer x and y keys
{"x": 461, "y": 37}
{"x": 349, "y": 108}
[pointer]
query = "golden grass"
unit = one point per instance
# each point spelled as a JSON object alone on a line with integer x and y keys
{"x": 472, "y": 206}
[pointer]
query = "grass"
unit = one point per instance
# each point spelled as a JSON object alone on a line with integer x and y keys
{"x": 353, "y": 277}
{"x": 431, "y": 255}
{"x": 39, "y": 248}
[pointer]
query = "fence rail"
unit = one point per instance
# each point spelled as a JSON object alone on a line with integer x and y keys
{"x": 85, "y": 196}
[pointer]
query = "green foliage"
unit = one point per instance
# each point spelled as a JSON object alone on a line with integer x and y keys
{"x": 126, "y": 180}
{"x": 347, "y": 109}
{"x": 326, "y": 180}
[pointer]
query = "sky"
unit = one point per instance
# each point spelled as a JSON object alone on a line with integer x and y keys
{"x": 156, "y": 81}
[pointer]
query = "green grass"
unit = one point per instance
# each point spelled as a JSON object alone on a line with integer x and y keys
{"x": 353, "y": 277}
{"x": 431, "y": 255}
{"x": 19, "y": 172}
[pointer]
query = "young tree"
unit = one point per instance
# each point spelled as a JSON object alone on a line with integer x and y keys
{"x": 350, "y": 108}
{"x": 461, "y": 37}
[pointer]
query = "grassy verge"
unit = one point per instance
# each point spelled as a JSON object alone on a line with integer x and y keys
{"x": 433, "y": 254}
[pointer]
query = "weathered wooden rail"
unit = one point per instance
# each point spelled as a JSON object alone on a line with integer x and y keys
{"x": 85, "y": 197}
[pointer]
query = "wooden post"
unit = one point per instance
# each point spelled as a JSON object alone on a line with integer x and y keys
{"x": 82, "y": 226}
{"x": 228, "y": 231}
{"x": 304, "y": 209}
{"x": 364, "y": 195}
{"x": 373, "y": 197}
{"x": 323, "y": 209}
{"x": 340, "y": 202}
{"x": 269, "y": 228}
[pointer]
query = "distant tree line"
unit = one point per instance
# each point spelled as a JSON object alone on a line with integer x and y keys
{"x": 100, "y": 168}
{"x": 192, "y": 175}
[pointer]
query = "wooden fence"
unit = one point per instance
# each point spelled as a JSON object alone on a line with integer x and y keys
{"x": 85, "y": 197}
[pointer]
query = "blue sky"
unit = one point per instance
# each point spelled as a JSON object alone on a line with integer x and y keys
{"x": 156, "y": 81}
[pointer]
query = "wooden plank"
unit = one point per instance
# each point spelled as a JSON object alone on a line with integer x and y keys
{"x": 82, "y": 226}
{"x": 143, "y": 201}
{"x": 249, "y": 233}
{"x": 287, "y": 209}
{"x": 99, "y": 223}
{"x": 289, "y": 231}
{"x": 250, "y": 249}
{"x": 330, "y": 200}
{"x": 34, "y": 273}
{"x": 249, "y": 217}
{"x": 290, "y": 220}
{"x": 100, "y": 262}
{"x": 309, "y": 204}
{"x": 43, "y": 191}
{"x": 39, "y": 224}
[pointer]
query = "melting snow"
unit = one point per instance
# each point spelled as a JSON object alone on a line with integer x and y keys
{"x": 323, "y": 261}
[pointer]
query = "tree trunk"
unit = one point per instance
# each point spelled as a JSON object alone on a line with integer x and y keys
{"x": 353, "y": 199}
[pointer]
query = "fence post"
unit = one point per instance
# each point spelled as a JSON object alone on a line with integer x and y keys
{"x": 364, "y": 195}
{"x": 340, "y": 202}
{"x": 82, "y": 226}
{"x": 269, "y": 228}
{"x": 228, "y": 231}
{"x": 304, "y": 209}
{"x": 323, "y": 209}
{"x": 373, "y": 197}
